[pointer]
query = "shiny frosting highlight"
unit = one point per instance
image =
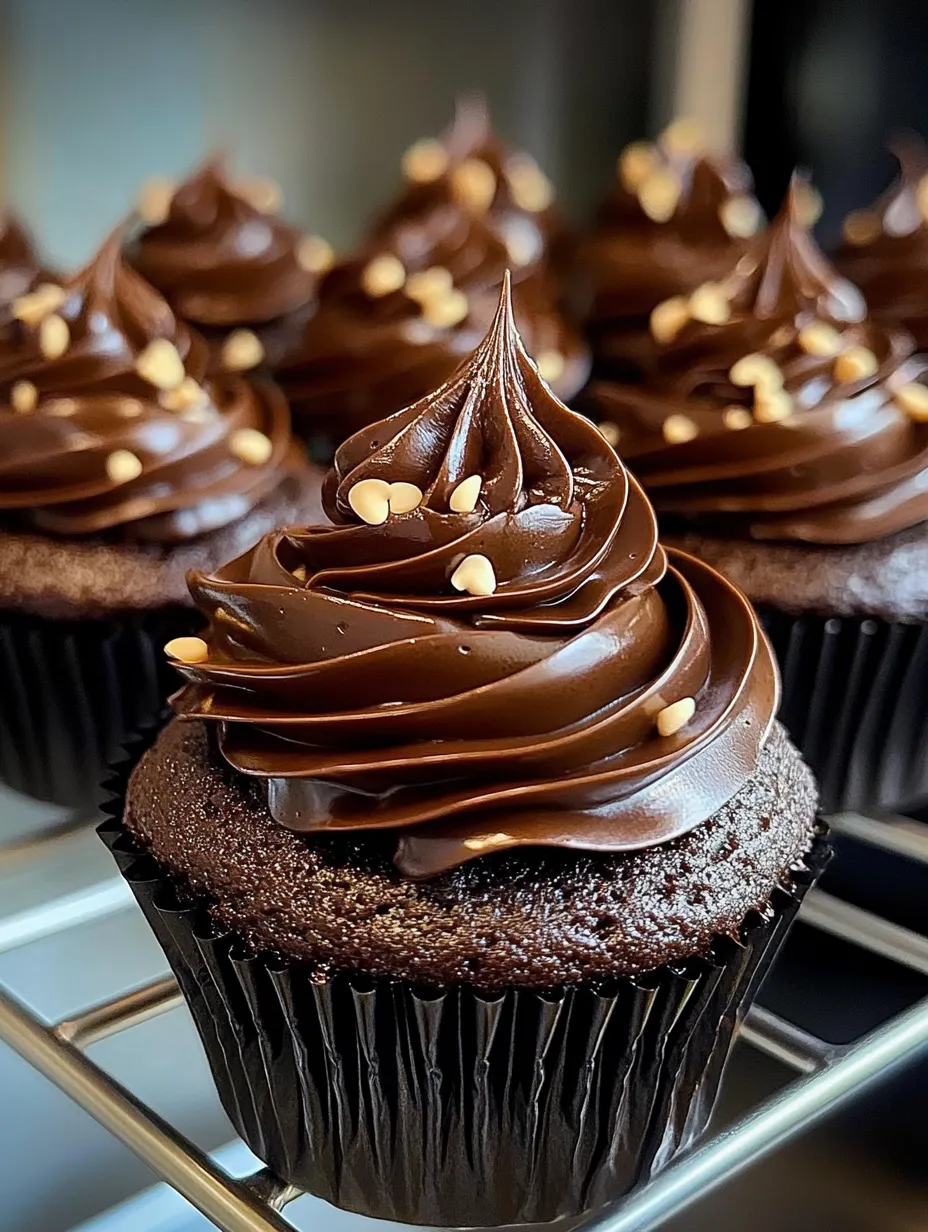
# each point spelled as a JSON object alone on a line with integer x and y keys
{"x": 365, "y": 355}
{"x": 89, "y": 446}
{"x": 885, "y": 249}
{"x": 346, "y": 672}
{"x": 833, "y": 450}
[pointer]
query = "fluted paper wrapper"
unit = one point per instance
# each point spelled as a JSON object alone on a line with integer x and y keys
{"x": 854, "y": 703}
{"x": 452, "y": 1106}
{"x": 73, "y": 691}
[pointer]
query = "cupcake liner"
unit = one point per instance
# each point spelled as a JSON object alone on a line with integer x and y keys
{"x": 853, "y": 702}
{"x": 73, "y": 691}
{"x": 455, "y": 1106}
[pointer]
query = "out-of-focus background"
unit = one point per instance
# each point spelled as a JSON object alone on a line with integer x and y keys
{"x": 324, "y": 95}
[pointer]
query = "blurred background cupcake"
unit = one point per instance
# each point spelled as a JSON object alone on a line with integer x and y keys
{"x": 397, "y": 315}
{"x": 122, "y": 465}
{"x": 783, "y": 437}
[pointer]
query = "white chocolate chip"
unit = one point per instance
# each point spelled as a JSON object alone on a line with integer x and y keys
{"x": 551, "y": 365}
{"x": 242, "y": 351}
{"x": 465, "y": 496}
{"x": 709, "y": 305}
{"x": 675, "y": 716}
{"x": 658, "y": 195}
{"x": 855, "y": 364}
{"x": 54, "y": 336}
{"x": 475, "y": 576}
{"x": 757, "y": 370}
{"x": 820, "y": 339}
{"x": 473, "y": 184}
{"x": 32, "y": 309}
{"x": 187, "y": 649}
{"x": 913, "y": 399}
{"x": 122, "y": 466}
{"x": 636, "y": 163}
{"x": 741, "y": 217}
{"x": 24, "y": 397}
{"x": 610, "y": 432}
{"x": 251, "y": 446}
{"x": 425, "y": 161}
{"x": 447, "y": 310}
{"x": 261, "y": 192}
{"x": 684, "y": 137}
{"x": 154, "y": 204}
{"x": 184, "y": 396}
{"x": 772, "y": 405}
{"x": 370, "y": 500}
{"x": 862, "y": 227}
{"x": 530, "y": 188}
{"x": 809, "y": 204}
{"x": 737, "y": 417}
{"x": 668, "y": 318}
{"x": 383, "y": 275}
{"x": 299, "y": 573}
{"x": 678, "y": 429}
{"x": 432, "y": 283}
{"x": 160, "y": 364}
{"x": 404, "y": 497}
{"x": 314, "y": 254}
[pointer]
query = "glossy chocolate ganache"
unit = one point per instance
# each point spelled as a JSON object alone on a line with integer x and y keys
{"x": 488, "y": 648}
{"x": 20, "y": 267}
{"x": 780, "y": 409}
{"x": 109, "y": 424}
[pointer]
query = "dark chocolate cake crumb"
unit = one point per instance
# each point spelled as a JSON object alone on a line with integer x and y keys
{"x": 533, "y": 918}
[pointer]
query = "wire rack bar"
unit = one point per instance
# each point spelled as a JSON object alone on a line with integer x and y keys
{"x": 786, "y": 1043}
{"x": 121, "y": 1013}
{"x": 84, "y": 906}
{"x": 871, "y": 932}
{"x": 891, "y": 832}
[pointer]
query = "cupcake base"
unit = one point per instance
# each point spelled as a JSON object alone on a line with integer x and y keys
{"x": 453, "y": 1105}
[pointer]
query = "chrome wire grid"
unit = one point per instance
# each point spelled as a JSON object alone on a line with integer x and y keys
{"x": 828, "y": 1075}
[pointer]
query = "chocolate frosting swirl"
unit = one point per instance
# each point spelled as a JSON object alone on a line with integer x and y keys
{"x": 20, "y": 267}
{"x": 846, "y": 463}
{"x": 367, "y": 355}
{"x": 885, "y": 251}
{"x": 660, "y": 232}
{"x": 219, "y": 261}
{"x": 88, "y": 403}
{"x": 347, "y": 672}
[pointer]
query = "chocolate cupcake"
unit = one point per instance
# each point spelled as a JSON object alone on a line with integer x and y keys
{"x": 784, "y": 439}
{"x": 121, "y": 466}
{"x": 475, "y": 832}
{"x": 217, "y": 251}
{"x": 396, "y": 317}
{"x": 885, "y": 249}
{"x": 676, "y": 217}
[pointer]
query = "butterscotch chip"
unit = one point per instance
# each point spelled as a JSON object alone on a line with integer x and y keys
{"x": 855, "y": 364}
{"x": 465, "y": 496}
{"x": 383, "y": 275}
{"x": 261, "y": 192}
{"x": 819, "y": 339}
{"x": 242, "y": 351}
{"x": 475, "y": 575}
{"x": 737, "y": 417}
{"x": 160, "y": 364}
{"x": 425, "y": 161}
{"x": 473, "y": 184}
{"x": 370, "y": 500}
{"x": 913, "y": 399}
{"x": 809, "y": 204}
{"x": 31, "y": 309}
{"x": 636, "y": 162}
{"x": 404, "y": 497}
{"x": 658, "y": 194}
{"x": 314, "y": 254}
{"x": 54, "y": 336}
{"x": 154, "y": 203}
{"x": 432, "y": 283}
{"x": 299, "y": 573}
{"x": 862, "y": 227}
{"x": 24, "y": 397}
{"x": 187, "y": 649}
{"x": 551, "y": 365}
{"x": 251, "y": 446}
{"x": 668, "y": 318}
{"x": 184, "y": 396}
{"x": 772, "y": 405}
{"x": 610, "y": 432}
{"x": 122, "y": 466}
{"x": 756, "y": 370}
{"x": 446, "y": 310}
{"x": 678, "y": 429}
{"x": 670, "y": 720}
{"x": 683, "y": 138}
{"x": 741, "y": 217}
{"x": 530, "y": 188}
{"x": 709, "y": 305}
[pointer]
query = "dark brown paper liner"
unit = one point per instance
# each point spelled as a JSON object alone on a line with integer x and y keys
{"x": 854, "y": 703}
{"x": 73, "y": 691}
{"x": 453, "y": 1106}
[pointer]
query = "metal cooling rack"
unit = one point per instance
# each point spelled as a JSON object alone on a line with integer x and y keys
{"x": 829, "y": 1075}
